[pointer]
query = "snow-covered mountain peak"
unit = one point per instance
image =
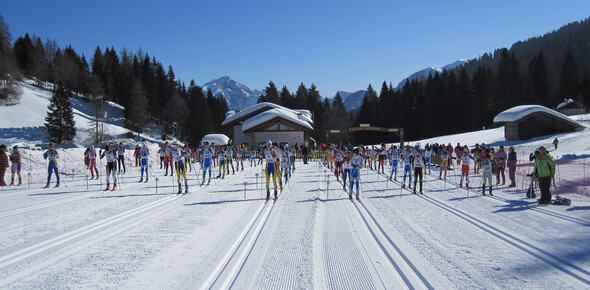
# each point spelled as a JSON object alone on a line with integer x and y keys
{"x": 237, "y": 95}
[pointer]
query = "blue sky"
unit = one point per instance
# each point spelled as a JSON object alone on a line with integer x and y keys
{"x": 337, "y": 45}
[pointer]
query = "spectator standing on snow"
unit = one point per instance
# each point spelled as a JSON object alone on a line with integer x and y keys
{"x": 3, "y": 164}
{"x": 555, "y": 142}
{"x": 501, "y": 158}
{"x": 16, "y": 158}
{"x": 512, "y": 166}
{"x": 137, "y": 155}
{"x": 51, "y": 155}
{"x": 544, "y": 170}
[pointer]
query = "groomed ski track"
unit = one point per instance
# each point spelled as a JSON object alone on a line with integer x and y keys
{"x": 214, "y": 237}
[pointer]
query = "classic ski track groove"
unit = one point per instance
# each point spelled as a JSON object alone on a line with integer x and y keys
{"x": 553, "y": 261}
{"x": 47, "y": 204}
{"x": 240, "y": 245}
{"x": 89, "y": 230}
{"x": 409, "y": 274}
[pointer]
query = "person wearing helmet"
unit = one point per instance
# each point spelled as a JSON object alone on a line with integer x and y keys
{"x": 465, "y": 160}
{"x": 178, "y": 154}
{"x": 111, "y": 154}
{"x": 272, "y": 165}
{"x": 144, "y": 154}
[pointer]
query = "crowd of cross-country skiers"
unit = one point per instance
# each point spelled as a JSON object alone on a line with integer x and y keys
{"x": 346, "y": 161}
{"x": 180, "y": 159}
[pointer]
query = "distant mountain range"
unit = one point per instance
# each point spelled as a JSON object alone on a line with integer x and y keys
{"x": 239, "y": 96}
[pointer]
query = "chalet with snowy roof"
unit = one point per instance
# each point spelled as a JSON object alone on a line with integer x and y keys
{"x": 268, "y": 121}
{"x": 570, "y": 108}
{"x": 529, "y": 121}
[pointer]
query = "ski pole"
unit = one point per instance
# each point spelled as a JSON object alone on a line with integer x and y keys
{"x": 555, "y": 186}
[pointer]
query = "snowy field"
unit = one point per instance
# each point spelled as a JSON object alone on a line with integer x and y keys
{"x": 226, "y": 235}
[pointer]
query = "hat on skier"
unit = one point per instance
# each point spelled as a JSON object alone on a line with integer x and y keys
{"x": 268, "y": 143}
{"x": 174, "y": 143}
{"x": 355, "y": 151}
{"x": 144, "y": 144}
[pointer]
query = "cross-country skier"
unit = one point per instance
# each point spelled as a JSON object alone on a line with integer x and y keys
{"x": 91, "y": 155}
{"x": 144, "y": 154}
{"x": 221, "y": 161}
{"x": 407, "y": 167}
{"x": 207, "y": 162}
{"x": 272, "y": 165}
{"x": 373, "y": 156}
{"x": 356, "y": 164}
{"x": 330, "y": 154}
{"x": 229, "y": 154}
{"x": 162, "y": 153}
{"x": 253, "y": 155}
{"x": 346, "y": 171}
{"x": 187, "y": 158}
{"x": 418, "y": 161}
{"x": 178, "y": 154}
{"x": 393, "y": 157}
{"x": 465, "y": 160}
{"x": 427, "y": 155}
{"x": 168, "y": 159}
{"x": 292, "y": 154}
{"x": 111, "y": 155}
{"x": 3, "y": 163}
{"x": 285, "y": 168}
{"x": 338, "y": 157}
{"x": 382, "y": 156}
{"x": 444, "y": 165}
{"x": 121, "y": 157}
{"x": 136, "y": 155}
{"x": 16, "y": 158}
{"x": 51, "y": 155}
{"x": 486, "y": 167}
{"x": 239, "y": 156}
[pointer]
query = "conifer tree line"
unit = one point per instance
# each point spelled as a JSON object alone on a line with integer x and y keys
{"x": 543, "y": 70}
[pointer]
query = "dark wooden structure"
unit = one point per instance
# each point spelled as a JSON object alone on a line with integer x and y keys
{"x": 537, "y": 124}
{"x": 366, "y": 127}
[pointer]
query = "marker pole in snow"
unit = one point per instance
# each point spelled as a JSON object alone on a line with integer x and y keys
{"x": 256, "y": 180}
{"x": 29, "y": 174}
{"x": 86, "y": 181}
{"x": 157, "y": 179}
{"x": 327, "y": 188}
{"x": 245, "y": 183}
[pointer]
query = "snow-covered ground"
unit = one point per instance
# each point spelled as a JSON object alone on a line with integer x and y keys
{"x": 226, "y": 235}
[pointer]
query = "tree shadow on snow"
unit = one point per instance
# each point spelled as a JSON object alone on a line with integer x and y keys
{"x": 578, "y": 208}
{"x": 128, "y": 195}
{"x": 323, "y": 200}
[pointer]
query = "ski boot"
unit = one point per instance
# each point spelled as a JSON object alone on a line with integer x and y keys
{"x": 414, "y": 190}
{"x": 140, "y": 180}
{"x": 146, "y": 180}
{"x": 179, "y": 188}
{"x": 186, "y": 187}
{"x": 276, "y": 194}
{"x": 467, "y": 185}
{"x": 358, "y": 197}
{"x": 57, "y": 185}
{"x": 350, "y": 197}
{"x": 20, "y": 181}
{"x": 114, "y": 186}
{"x": 267, "y": 194}
{"x": 203, "y": 183}
{"x": 483, "y": 190}
{"x": 11, "y": 182}
{"x": 108, "y": 187}
{"x": 46, "y": 186}
{"x": 491, "y": 191}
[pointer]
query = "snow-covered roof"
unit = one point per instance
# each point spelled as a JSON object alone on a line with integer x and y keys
{"x": 519, "y": 112}
{"x": 565, "y": 103}
{"x": 281, "y": 112}
{"x": 248, "y": 111}
{"x": 218, "y": 139}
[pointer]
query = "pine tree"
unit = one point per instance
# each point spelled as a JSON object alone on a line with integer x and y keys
{"x": 59, "y": 123}
{"x": 569, "y": 83}
{"x": 9, "y": 89}
{"x": 271, "y": 94}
